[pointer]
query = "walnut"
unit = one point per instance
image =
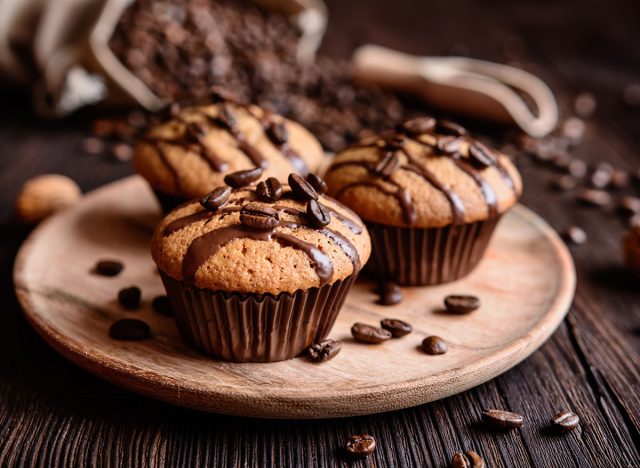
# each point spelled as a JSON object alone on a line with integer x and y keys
{"x": 45, "y": 195}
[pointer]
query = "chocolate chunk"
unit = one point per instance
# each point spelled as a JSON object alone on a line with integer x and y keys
{"x": 594, "y": 197}
{"x": 277, "y": 133}
{"x": 502, "y": 420}
{"x": 361, "y": 445}
{"x": 162, "y": 305}
{"x": 324, "y": 351}
{"x": 418, "y": 125}
{"x": 389, "y": 163}
{"x": 259, "y": 216}
{"x": 129, "y": 298}
{"x": 565, "y": 421}
{"x": 318, "y": 214}
{"x": 575, "y": 235}
{"x": 216, "y": 199}
{"x": 243, "y": 178}
{"x": 302, "y": 189}
{"x": 390, "y": 294}
{"x": 461, "y": 303}
{"x": 129, "y": 329}
{"x": 396, "y": 327}
{"x": 434, "y": 345}
{"x": 369, "y": 334}
{"x": 317, "y": 182}
{"x": 481, "y": 156}
{"x": 270, "y": 190}
{"x": 108, "y": 268}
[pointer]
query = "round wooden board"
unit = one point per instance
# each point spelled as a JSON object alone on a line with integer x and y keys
{"x": 526, "y": 283}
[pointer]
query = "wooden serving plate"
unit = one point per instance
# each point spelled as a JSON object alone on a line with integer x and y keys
{"x": 526, "y": 283}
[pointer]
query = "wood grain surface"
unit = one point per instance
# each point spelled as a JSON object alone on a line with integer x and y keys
{"x": 53, "y": 413}
{"x": 73, "y": 309}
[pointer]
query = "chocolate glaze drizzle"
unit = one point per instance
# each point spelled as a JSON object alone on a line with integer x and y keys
{"x": 194, "y": 133}
{"x": 208, "y": 244}
{"x": 395, "y": 142}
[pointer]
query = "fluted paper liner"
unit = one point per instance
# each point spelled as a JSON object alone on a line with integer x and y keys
{"x": 244, "y": 327}
{"x": 427, "y": 256}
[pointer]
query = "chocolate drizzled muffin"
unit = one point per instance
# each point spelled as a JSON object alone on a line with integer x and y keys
{"x": 430, "y": 195}
{"x": 193, "y": 151}
{"x": 259, "y": 273}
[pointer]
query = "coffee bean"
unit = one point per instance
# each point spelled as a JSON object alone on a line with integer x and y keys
{"x": 259, "y": 216}
{"x": 594, "y": 197}
{"x": 390, "y": 294}
{"x": 277, "y": 133}
{"x": 108, "y": 268}
{"x": 434, "y": 345}
{"x": 194, "y": 132}
{"x": 600, "y": 178}
{"x": 504, "y": 420}
{"x": 574, "y": 128}
{"x": 564, "y": 183}
{"x": 129, "y": 329}
{"x": 397, "y": 327}
{"x": 629, "y": 205}
{"x": 450, "y": 128}
{"x": 318, "y": 214}
{"x": 93, "y": 145}
{"x": 215, "y": 199}
{"x": 317, "y": 182}
{"x": 577, "y": 168}
{"x": 301, "y": 188}
{"x": 269, "y": 190}
{"x": 481, "y": 156}
{"x": 419, "y": 125}
{"x": 575, "y": 235}
{"x": 129, "y": 298}
{"x": 387, "y": 164}
{"x": 461, "y": 303}
{"x": 162, "y": 305}
{"x": 620, "y": 179}
{"x": 361, "y": 445}
{"x": 122, "y": 151}
{"x": 369, "y": 334}
{"x": 225, "y": 118}
{"x": 561, "y": 160}
{"x": 449, "y": 144}
{"x": 467, "y": 460}
{"x": 584, "y": 105}
{"x": 243, "y": 178}
{"x": 324, "y": 351}
{"x": 565, "y": 421}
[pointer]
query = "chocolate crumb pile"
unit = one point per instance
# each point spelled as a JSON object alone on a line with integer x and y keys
{"x": 180, "y": 48}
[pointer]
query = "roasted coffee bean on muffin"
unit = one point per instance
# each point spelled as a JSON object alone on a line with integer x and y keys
{"x": 256, "y": 278}
{"x": 431, "y": 196}
{"x": 192, "y": 152}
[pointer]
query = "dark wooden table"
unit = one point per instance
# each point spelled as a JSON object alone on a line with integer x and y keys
{"x": 53, "y": 413}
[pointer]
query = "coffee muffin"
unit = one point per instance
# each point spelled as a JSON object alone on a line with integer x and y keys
{"x": 193, "y": 151}
{"x": 430, "y": 195}
{"x": 259, "y": 273}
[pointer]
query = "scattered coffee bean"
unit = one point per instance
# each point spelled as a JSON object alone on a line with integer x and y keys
{"x": 317, "y": 182}
{"x": 620, "y": 179}
{"x": 584, "y": 105}
{"x": 122, "y": 151}
{"x": 480, "y": 155}
{"x": 129, "y": 329}
{"x": 162, "y": 305}
{"x": 565, "y": 421}
{"x": 564, "y": 183}
{"x": 561, "y": 160}
{"x": 243, "y": 178}
{"x": 504, "y": 420}
{"x": 577, "y": 168}
{"x": 575, "y": 235}
{"x": 629, "y": 205}
{"x": 594, "y": 197}
{"x": 390, "y": 294}
{"x": 269, "y": 190}
{"x": 215, "y": 199}
{"x": 573, "y": 128}
{"x": 369, "y": 334}
{"x": 259, "y": 216}
{"x": 361, "y": 445}
{"x": 449, "y": 144}
{"x": 318, "y": 214}
{"x": 398, "y": 328}
{"x": 129, "y": 298}
{"x": 108, "y": 268}
{"x": 278, "y": 133}
{"x": 387, "y": 164}
{"x": 450, "y": 128}
{"x": 324, "y": 351}
{"x": 419, "y": 125}
{"x": 93, "y": 145}
{"x": 434, "y": 345}
{"x": 600, "y": 178}
{"x": 301, "y": 188}
{"x": 467, "y": 460}
{"x": 461, "y": 303}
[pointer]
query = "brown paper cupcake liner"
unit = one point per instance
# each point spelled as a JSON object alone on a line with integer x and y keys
{"x": 168, "y": 202}
{"x": 427, "y": 256}
{"x": 244, "y": 327}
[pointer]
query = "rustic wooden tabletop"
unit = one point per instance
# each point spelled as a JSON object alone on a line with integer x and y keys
{"x": 53, "y": 413}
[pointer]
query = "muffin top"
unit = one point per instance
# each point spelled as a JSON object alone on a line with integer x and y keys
{"x": 264, "y": 238}
{"x": 193, "y": 151}
{"x": 427, "y": 173}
